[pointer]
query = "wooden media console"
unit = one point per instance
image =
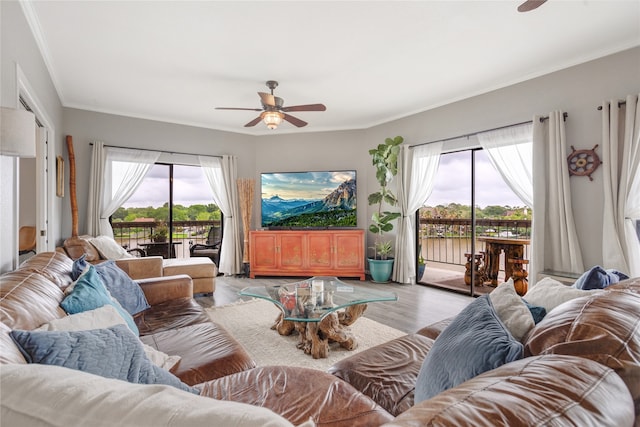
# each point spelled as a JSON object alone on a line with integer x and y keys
{"x": 337, "y": 253}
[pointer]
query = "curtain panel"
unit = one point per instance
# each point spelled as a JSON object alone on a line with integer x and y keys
{"x": 510, "y": 151}
{"x": 221, "y": 174}
{"x": 418, "y": 167}
{"x": 621, "y": 161}
{"x": 116, "y": 174}
{"x": 554, "y": 243}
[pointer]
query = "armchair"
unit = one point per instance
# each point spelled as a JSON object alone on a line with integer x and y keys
{"x": 211, "y": 248}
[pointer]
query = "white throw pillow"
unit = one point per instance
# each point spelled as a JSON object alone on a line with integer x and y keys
{"x": 550, "y": 293}
{"x": 109, "y": 248}
{"x": 101, "y": 318}
{"x": 511, "y": 309}
{"x": 53, "y": 396}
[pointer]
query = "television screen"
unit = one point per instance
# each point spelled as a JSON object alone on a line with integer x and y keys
{"x": 309, "y": 199}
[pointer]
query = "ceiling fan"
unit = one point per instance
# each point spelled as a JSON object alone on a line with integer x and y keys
{"x": 274, "y": 111}
{"x": 530, "y": 5}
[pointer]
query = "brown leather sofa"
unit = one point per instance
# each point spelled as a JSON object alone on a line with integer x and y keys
{"x": 581, "y": 367}
{"x": 211, "y": 358}
{"x": 582, "y": 364}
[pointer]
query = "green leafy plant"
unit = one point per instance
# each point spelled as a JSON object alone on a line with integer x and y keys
{"x": 385, "y": 159}
{"x": 160, "y": 233}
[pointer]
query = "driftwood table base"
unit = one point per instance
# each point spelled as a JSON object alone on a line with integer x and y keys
{"x": 316, "y": 336}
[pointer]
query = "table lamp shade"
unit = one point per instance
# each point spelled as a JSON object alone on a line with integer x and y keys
{"x": 17, "y": 133}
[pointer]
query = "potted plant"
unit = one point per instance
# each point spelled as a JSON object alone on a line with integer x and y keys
{"x": 385, "y": 159}
{"x": 160, "y": 233}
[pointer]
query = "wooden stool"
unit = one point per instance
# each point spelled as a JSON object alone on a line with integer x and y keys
{"x": 519, "y": 275}
{"x": 477, "y": 269}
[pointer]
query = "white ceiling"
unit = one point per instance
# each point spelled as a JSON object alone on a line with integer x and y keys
{"x": 369, "y": 62}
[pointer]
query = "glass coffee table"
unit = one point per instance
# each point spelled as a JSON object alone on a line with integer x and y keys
{"x": 320, "y": 309}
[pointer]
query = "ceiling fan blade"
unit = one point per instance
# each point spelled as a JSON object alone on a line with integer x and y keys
{"x": 530, "y": 5}
{"x": 295, "y": 121}
{"x": 254, "y": 121}
{"x": 308, "y": 107}
{"x": 233, "y": 108}
{"x": 267, "y": 99}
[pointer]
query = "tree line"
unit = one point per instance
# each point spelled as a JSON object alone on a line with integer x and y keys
{"x": 209, "y": 212}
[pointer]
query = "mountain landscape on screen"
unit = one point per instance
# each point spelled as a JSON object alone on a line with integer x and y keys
{"x": 309, "y": 199}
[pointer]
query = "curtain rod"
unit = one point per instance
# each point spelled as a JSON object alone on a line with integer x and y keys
{"x": 161, "y": 151}
{"x": 620, "y": 104}
{"x": 467, "y": 135}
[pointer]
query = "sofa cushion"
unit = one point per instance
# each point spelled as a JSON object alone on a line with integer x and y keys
{"x": 536, "y": 391}
{"x": 112, "y": 353}
{"x": 78, "y": 246}
{"x": 105, "y": 317}
{"x": 511, "y": 309}
{"x": 109, "y": 248}
{"x": 476, "y": 341}
{"x": 70, "y": 397}
{"x": 55, "y": 266}
{"x": 603, "y": 326}
{"x": 387, "y": 373}
{"x": 299, "y": 394}
{"x": 89, "y": 293}
{"x": 117, "y": 282}
{"x": 208, "y": 351}
{"x": 598, "y": 278}
{"x": 171, "y": 314}
{"x": 550, "y": 293}
{"x": 28, "y": 299}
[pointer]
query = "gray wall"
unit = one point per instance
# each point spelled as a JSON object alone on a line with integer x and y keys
{"x": 18, "y": 46}
{"x": 577, "y": 90}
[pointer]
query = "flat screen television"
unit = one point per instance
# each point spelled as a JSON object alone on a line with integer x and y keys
{"x": 308, "y": 199}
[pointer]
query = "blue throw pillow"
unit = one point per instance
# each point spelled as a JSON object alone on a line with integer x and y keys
{"x": 598, "y": 278}
{"x": 112, "y": 353}
{"x": 127, "y": 292}
{"x": 88, "y": 293}
{"x": 537, "y": 312}
{"x": 476, "y": 341}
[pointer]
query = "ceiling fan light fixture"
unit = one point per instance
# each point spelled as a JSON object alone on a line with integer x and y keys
{"x": 272, "y": 119}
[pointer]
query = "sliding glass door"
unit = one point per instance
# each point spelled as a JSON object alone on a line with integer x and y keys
{"x": 171, "y": 211}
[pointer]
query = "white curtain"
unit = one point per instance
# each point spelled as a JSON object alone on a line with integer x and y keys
{"x": 620, "y": 162}
{"x": 221, "y": 174}
{"x": 510, "y": 152}
{"x": 116, "y": 174}
{"x": 417, "y": 168}
{"x": 555, "y": 243}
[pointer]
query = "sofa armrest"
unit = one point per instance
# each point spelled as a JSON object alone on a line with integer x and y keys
{"x": 141, "y": 268}
{"x": 167, "y": 288}
{"x": 432, "y": 331}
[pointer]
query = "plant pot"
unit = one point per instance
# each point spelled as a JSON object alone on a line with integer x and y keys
{"x": 380, "y": 269}
{"x": 420, "y": 272}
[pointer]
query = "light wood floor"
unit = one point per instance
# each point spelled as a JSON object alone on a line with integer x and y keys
{"x": 417, "y": 305}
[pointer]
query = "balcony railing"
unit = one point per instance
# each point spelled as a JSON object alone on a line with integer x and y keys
{"x": 132, "y": 235}
{"x": 447, "y": 240}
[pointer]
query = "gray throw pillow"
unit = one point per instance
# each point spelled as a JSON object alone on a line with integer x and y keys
{"x": 113, "y": 352}
{"x": 476, "y": 341}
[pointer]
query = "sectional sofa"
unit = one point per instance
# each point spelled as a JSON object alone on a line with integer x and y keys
{"x": 582, "y": 367}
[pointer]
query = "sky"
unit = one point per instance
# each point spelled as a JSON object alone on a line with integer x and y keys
{"x": 453, "y": 183}
{"x": 304, "y": 185}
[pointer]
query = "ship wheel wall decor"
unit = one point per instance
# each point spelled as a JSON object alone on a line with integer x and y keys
{"x": 583, "y": 162}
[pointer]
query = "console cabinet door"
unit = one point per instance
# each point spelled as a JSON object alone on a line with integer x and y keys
{"x": 320, "y": 250}
{"x": 291, "y": 251}
{"x": 263, "y": 252}
{"x": 348, "y": 251}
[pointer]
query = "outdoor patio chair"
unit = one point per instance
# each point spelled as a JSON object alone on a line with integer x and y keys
{"x": 211, "y": 248}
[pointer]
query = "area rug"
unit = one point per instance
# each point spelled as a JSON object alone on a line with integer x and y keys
{"x": 250, "y": 323}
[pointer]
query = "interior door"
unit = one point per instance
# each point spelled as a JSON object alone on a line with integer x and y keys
{"x": 42, "y": 185}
